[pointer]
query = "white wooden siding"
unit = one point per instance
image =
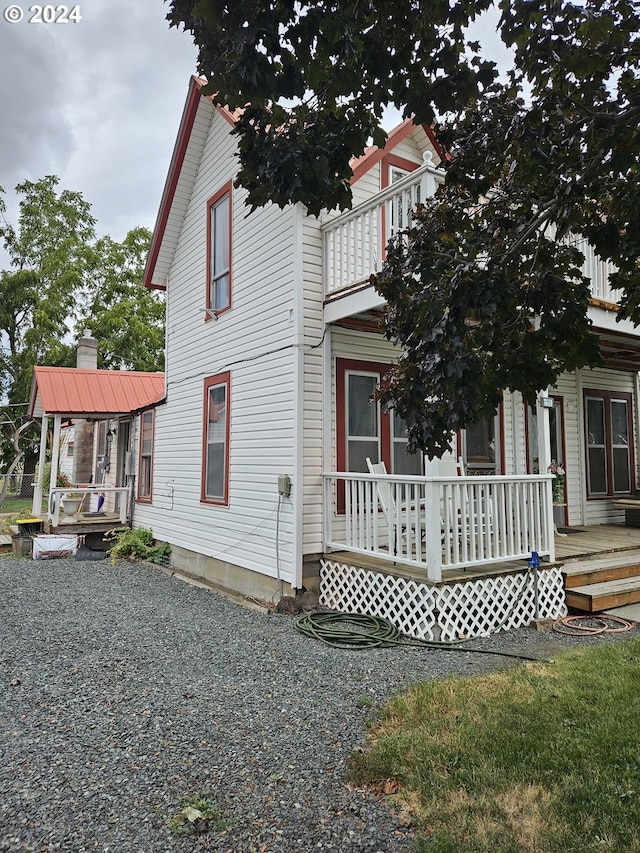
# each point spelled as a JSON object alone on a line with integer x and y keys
{"x": 254, "y": 342}
{"x": 582, "y": 511}
{"x": 313, "y": 385}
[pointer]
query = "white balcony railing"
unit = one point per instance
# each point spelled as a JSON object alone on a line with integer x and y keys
{"x": 439, "y": 523}
{"x": 355, "y": 241}
{"x": 596, "y": 270}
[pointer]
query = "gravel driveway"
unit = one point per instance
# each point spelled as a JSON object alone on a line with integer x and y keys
{"x": 123, "y": 690}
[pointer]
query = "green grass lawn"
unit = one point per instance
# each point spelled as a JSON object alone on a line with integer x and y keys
{"x": 537, "y": 758}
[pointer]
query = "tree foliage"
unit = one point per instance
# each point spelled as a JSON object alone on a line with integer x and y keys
{"x": 312, "y": 80}
{"x": 485, "y": 290}
{"x": 126, "y": 319}
{"x": 62, "y": 279}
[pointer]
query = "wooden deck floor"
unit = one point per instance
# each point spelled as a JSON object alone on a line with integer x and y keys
{"x": 589, "y": 541}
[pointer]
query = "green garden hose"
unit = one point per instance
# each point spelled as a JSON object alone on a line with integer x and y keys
{"x": 360, "y": 631}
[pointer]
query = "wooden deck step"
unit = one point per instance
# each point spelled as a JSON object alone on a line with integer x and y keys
{"x": 594, "y": 597}
{"x": 608, "y": 567}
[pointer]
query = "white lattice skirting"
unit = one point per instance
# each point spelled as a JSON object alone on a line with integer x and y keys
{"x": 471, "y": 609}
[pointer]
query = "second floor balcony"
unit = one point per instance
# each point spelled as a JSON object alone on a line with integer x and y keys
{"x": 354, "y": 245}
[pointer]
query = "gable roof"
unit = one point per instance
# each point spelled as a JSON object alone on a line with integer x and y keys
{"x": 82, "y": 393}
{"x": 425, "y": 137}
{"x": 185, "y": 161}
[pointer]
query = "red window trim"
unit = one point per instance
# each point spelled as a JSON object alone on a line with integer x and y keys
{"x": 342, "y": 366}
{"x": 627, "y": 396}
{"x": 209, "y": 382}
{"x": 399, "y": 162}
{"x": 220, "y": 194}
{"x": 146, "y": 499}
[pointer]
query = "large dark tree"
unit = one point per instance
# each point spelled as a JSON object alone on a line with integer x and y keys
{"x": 313, "y": 79}
{"x": 485, "y": 290}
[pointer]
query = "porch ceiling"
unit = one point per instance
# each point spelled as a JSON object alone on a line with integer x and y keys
{"x": 620, "y": 350}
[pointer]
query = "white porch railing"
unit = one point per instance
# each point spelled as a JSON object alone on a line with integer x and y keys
{"x": 595, "y": 269}
{"x": 116, "y": 502}
{"x": 355, "y": 241}
{"x": 439, "y": 523}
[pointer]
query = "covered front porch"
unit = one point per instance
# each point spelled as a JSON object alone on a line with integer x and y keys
{"x": 96, "y": 409}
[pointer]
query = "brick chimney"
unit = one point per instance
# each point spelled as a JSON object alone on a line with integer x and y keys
{"x": 87, "y": 354}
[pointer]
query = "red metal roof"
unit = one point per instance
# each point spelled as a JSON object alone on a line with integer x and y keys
{"x": 73, "y": 391}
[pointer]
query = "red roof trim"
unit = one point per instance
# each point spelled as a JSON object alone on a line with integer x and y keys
{"x": 374, "y": 155}
{"x": 177, "y": 159}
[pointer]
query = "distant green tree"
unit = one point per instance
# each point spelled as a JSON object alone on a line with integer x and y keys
{"x": 126, "y": 318}
{"x": 61, "y": 279}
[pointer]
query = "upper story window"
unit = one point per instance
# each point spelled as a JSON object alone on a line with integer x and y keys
{"x": 145, "y": 465}
{"x": 219, "y": 250}
{"x": 215, "y": 442}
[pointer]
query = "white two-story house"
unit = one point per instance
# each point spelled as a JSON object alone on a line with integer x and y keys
{"x": 258, "y": 476}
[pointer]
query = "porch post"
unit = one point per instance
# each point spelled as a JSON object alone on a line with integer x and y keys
{"x": 428, "y": 184}
{"x": 544, "y": 460}
{"x": 55, "y": 452}
{"x": 36, "y": 506}
{"x": 544, "y": 434}
{"x": 433, "y": 532}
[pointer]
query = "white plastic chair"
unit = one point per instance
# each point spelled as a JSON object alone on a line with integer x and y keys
{"x": 389, "y": 506}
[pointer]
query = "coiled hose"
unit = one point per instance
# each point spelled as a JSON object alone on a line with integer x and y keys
{"x": 358, "y": 631}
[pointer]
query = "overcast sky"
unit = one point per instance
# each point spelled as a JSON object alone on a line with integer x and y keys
{"x": 97, "y": 103}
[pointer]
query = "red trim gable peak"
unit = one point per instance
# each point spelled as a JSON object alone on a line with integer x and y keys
{"x": 373, "y": 155}
{"x": 175, "y": 168}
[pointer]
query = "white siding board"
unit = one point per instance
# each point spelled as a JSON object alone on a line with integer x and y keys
{"x": 242, "y": 340}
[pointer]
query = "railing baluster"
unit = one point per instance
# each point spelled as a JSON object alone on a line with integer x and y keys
{"x": 436, "y": 522}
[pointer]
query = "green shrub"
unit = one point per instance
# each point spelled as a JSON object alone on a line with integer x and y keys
{"x": 136, "y": 544}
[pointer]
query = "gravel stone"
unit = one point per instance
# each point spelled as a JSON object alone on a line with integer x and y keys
{"x": 123, "y": 689}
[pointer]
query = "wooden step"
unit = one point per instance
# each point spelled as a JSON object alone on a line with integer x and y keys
{"x": 599, "y": 570}
{"x": 594, "y": 597}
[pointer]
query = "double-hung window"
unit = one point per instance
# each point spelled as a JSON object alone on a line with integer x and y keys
{"x": 609, "y": 443}
{"x": 215, "y": 449}
{"x": 145, "y": 464}
{"x": 219, "y": 250}
{"x": 363, "y": 429}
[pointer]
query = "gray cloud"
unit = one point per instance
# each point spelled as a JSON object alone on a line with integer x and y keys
{"x": 97, "y": 103}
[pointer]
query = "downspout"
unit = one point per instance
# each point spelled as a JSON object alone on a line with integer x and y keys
{"x": 298, "y": 400}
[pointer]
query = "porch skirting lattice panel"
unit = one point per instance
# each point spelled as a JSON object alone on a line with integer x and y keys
{"x": 473, "y": 608}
